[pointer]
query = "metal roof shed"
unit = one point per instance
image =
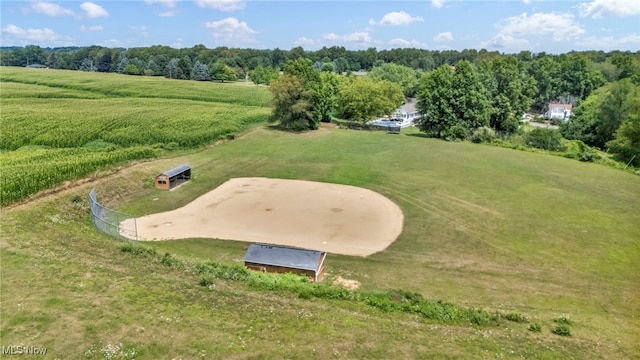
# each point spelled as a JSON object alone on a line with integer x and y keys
{"x": 174, "y": 177}
{"x": 283, "y": 259}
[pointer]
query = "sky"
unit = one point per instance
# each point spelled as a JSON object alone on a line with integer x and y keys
{"x": 508, "y": 26}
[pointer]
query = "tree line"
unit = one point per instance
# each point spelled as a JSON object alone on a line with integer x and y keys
{"x": 459, "y": 92}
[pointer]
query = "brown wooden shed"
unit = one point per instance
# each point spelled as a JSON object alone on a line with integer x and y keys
{"x": 283, "y": 259}
{"x": 174, "y": 177}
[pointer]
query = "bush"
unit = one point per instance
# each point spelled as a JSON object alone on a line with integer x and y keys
{"x": 171, "y": 261}
{"x": 483, "y": 134}
{"x": 535, "y": 327}
{"x": 515, "y": 317}
{"x": 546, "y": 139}
{"x": 455, "y": 133}
{"x": 562, "y": 330}
{"x": 207, "y": 281}
{"x": 138, "y": 250}
{"x": 563, "y": 319}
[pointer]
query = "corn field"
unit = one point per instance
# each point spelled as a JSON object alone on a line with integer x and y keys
{"x": 63, "y": 125}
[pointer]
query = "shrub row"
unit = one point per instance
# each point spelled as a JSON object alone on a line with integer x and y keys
{"x": 386, "y": 301}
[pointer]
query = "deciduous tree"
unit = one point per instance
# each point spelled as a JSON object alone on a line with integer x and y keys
{"x": 292, "y": 104}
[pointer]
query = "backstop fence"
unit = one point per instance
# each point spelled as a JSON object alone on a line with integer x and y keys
{"x": 113, "y": 223}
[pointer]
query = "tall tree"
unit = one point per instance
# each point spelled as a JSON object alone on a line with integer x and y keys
{"x": 200, "y": 72}
{"x": 399, "y": 74}
{"x": 627, "y": 141}
{"x": 510, "y": 89}
{"x": 326, "y": 95}
{"x": 361, "y": 98}
{"x": 471, "y": 103}
{"x": 292, "y": 104}
{"x": 436, "y": 100}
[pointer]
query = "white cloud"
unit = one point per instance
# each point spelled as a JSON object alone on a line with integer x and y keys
{"x": 437, "y": 3}
{"x": 402, "y": 43}
{"x": 629, "y": 42}
{"x": 560, "y": 25}
{"x": 169, "y": 5}
{"x": 93, "y": 11}
{"x": 502, "y": 41}
{"x": 35, "y": 35}
{"x": 602, "y": 8}
{"x": 232, "y": 30}
{"x": 222, "y": 5}
{"x": 445, "y": 36}
{"x": 397, "y": 18}
{"x": 303, "y": 41}
{"x": 526, "y": 2}
{"x": 168, "y": 13}
{"x": 142, "y": 29}
{"x": 50, "y": 9}
{"x": 91, "y": 28}
{"x": 357, "y": 38}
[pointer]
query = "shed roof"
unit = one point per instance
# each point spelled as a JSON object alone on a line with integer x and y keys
{"x": 274, "y": 255}
{"x": 177, "y": 170}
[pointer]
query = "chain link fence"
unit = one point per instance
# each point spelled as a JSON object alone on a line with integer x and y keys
{"x": 113, "y": 223}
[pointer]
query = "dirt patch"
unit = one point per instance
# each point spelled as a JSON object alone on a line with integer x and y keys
{"x": 346, "y": 283}
{"x": 334, "y": 218}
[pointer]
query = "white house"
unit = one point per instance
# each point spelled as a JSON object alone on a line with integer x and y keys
{"x": 559, "y": 111}
{"x": 407, "y": 113}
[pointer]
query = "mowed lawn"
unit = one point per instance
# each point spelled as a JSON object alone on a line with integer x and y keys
{"x": 485, "y": 227}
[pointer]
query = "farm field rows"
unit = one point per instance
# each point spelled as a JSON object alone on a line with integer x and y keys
{"x": 68, "y": 124}
{"x": 536, "y": 236}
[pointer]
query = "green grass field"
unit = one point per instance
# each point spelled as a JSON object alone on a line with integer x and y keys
{"x": 64, "y": 125}
{"x": 512, "y": 232}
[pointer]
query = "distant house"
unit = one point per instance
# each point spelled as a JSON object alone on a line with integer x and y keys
{"x": 559, "y": 111}
{"x": 36, "y": 66}
{"x": 283, "y": 259}
{"x": 407, "y": 112}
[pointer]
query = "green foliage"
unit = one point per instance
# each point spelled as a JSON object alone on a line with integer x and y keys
{"x": 134, "y": 118}
{"x": 28, "y": 171}
{"x": 627, "y": 141}
{"x": 171, "y": 261}
{"x": 222, "y": 72}
{"x": 200, "y": 72}
{"x": 515, "y": 317}
{"x": 362, "y": 99}
{"x": 263, "y": 75}
{"x": 436, "y": 100}
{"x": 546, "y": 139}
{"x": 292, "y": 104}
{"x": 452, "y": 102}
{"x": 562, "y": 330}
{"x": 138, "y": 250}
{"x": 535, "y": 327}
{"x": 597, "y": 120}
{"x": 483, "y": 134}
{"x": 563, "y": 319}
{"x": 326, "y": 94}
{"x": 397, "y": 74}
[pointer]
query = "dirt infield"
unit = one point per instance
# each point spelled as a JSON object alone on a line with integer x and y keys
{"x": 338, "y": 219}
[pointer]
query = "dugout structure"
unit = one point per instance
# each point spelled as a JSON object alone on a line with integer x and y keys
{"x": 174, "y": 177}
{"x": 284, "y": 259}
